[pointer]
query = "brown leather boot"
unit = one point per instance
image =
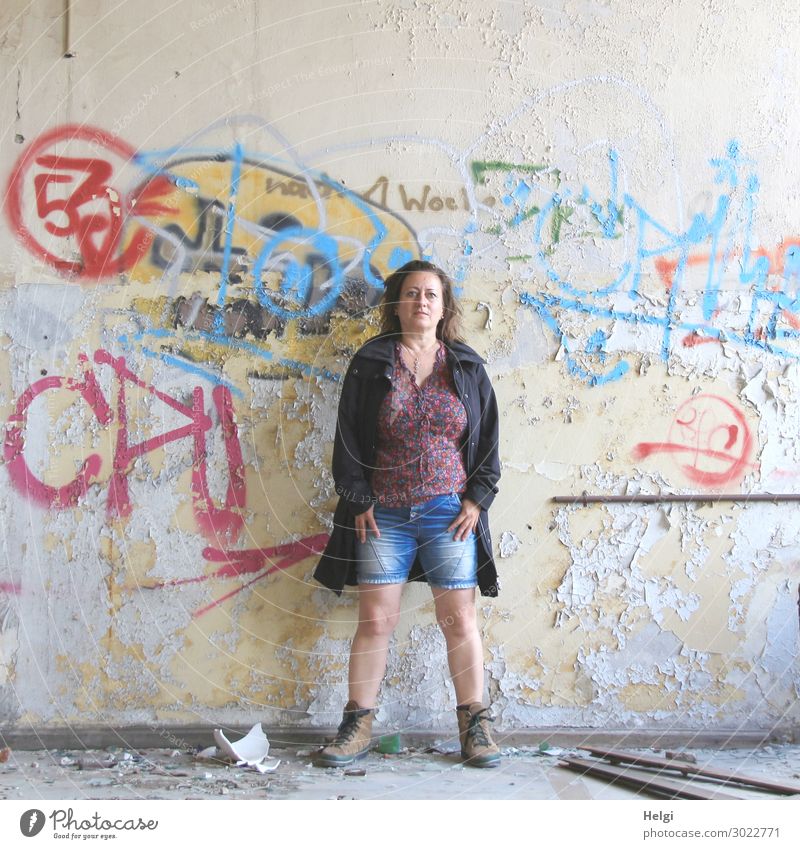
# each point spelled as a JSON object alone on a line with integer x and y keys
{"x": 477, "y": 746}
{"x": 353, "y": 739}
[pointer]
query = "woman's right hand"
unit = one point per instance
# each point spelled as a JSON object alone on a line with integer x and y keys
{"x": 364, "y": 522}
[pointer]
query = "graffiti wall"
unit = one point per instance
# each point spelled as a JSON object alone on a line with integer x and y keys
{"x": 195, "y": 237}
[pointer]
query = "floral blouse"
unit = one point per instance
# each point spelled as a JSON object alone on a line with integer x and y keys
{"x": 420, "y": 430}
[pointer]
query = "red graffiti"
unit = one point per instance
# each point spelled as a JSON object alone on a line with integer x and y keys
{"x": 712, "y": 439}
{"x": 264, "y": 561}
{"x": 776, "y": 257}
{"x": 9, "y": 588}
{"x": 73, "y": 199}
{"x": 693, "y": 339}
{"x": 212, "y": 520}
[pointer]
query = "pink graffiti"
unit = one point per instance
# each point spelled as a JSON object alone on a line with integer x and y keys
{"x": 212, "y": 520}
{"x": 713, "y": 437}
{"x": 10, "y": 589}
{"x": 249, "y": 561}
{"x": 14, "y": 446}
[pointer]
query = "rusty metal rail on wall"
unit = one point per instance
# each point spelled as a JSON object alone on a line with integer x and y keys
{"x": 585, "y": 499}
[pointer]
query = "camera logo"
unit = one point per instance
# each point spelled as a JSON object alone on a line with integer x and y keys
{"x": 31, "y": 822}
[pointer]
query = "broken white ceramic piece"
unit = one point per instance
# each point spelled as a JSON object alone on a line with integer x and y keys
{"x": 252, "y": 749}
{"x": 207, "y": 754}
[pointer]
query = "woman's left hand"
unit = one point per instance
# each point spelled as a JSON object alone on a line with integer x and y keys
{"x": 467, "y": 520}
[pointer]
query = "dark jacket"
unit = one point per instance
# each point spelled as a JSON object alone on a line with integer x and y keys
{"x": 366, "y": 383}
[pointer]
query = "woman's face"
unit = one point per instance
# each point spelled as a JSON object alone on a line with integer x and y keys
{"x": 420, "y": 306}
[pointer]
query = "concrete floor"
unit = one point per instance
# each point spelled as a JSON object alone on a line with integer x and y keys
{"x": 436, "y": 773}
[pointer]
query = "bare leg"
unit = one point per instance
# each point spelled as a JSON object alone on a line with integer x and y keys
{"x": 378, "y": 614}
{"x": 455, "y": 613}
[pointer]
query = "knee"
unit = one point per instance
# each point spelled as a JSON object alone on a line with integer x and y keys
{"x": 458, "y": 623}
{"x": 378, "y": 623}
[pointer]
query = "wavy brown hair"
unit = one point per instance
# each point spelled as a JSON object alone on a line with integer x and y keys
{"x": 448, "y": 329}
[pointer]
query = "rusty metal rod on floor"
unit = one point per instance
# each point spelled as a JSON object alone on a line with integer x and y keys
{"x": 637, "y": 779}
{"x": 586, "y": 499}
{"x": 617, "y": 756}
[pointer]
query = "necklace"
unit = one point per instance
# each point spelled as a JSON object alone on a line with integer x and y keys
{"x": 418, "y": 355}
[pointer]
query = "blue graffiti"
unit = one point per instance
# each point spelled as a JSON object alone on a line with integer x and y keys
{"x": 399, "y": 257}
{"x": 727, "y": 226}
{"x": 297, "y": 278}
{"x": 223, "y": 340}
{"x": 230, "y": 218}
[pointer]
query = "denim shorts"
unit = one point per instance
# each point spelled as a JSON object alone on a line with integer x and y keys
{"x": 420, "y": 530}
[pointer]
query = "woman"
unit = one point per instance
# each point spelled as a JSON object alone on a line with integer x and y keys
{"x": 415, "y": 464}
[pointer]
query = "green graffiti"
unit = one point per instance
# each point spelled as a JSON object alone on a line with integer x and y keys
{"x": 561, "y": 212}
{"x": 561, "y": 215}
{"x": 481, "y": 167}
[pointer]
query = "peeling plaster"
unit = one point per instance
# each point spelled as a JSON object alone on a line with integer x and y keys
{"x": 620, "y": 614}
{"x": 509, "y": 544}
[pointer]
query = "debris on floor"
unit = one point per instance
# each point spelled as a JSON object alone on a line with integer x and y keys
{"x": 681, "y": 756}
{"x": 105, "y": 762}
{"x": 423, "y": 772}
